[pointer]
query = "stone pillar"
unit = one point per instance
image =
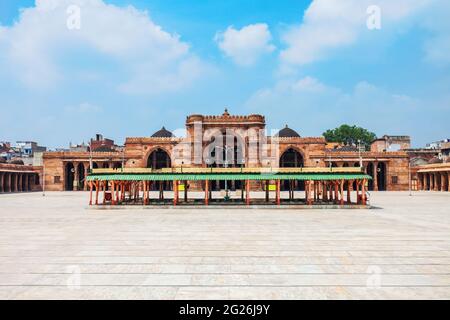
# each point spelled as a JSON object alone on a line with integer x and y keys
{"x": 27, "y": 182}
{"x": 422, "y": 181}
{"x": 19, "y": 182}
{"x": 419, "y": 182}
{"x": 16, "y": 183}
{"x": 8, "y": 182}
{"x": 431, "y": 181}
{"x": 2, "y": 176}
{"x": 375, "y": 176}
{"x": 76, "y": 176}
{"x": 448, "y": 181}
{"x": 435, "y": 182}
{"x": 86, "y": 168}
{"x": 443, "y": 176}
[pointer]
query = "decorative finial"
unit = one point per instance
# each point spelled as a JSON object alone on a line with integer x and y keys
{"x": 226, "y": 112}
{"x": 286, "y": 125}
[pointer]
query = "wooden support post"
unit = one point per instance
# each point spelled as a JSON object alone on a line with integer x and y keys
{"x": 278, "y": 198}
{"x": 185, "y": 191}
{"x": 363, "y": 192}
{"x": 247, "y": 192}
{"x": 336, "y": 192}
{"x": 330, "y": 191}
{"x": 349, "y": 182}
{"x": 315, "y": 190}
{"x": 308, "y": 194}
{"x": 341, "y": 185}
{"x": 103, "y": 186}
{"x": 358, "y": 198}
{"x": 175, "y": 192}
{"x": 113, "y": 201}
{"x": 117, "y": 193}
{"x": 267, "y": 190}
{"x": 145, "y": 192}
{"x": 90, "y": 193}
{"x": 96, "y": 191}
{"x": 206, "y": 192}
{"x": 325, "y": 191}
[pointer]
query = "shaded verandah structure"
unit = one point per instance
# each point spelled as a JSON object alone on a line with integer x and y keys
{"x": 133, "y": 185}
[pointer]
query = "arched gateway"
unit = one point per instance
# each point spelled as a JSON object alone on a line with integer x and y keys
{"x": 159, "y": 159}
{"x": 291, "y": 158}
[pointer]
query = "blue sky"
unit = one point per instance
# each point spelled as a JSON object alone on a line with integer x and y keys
{"x": 134, "y": 66}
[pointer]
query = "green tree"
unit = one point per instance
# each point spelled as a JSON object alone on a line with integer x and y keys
{"x": 349, "y": 135}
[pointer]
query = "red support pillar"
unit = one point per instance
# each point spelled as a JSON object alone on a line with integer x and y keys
{"x": 96, "y": 192}
{"x": 90, "y": 193}
{"x": 349, "y": 182}
{"x": 145, "y": 192}
{"x": 341, "y": 185}
{"x": 278, "y": 198}
{"x": 175, "y": 192}
{"x": 308, "y": 197}
{"x": 104, "y": 190}
{"x": 247, "y": 192}
{"x": 336, "y": 192}
{"x": 206, "y": 192}
{"x": 113, "y": 185}
{"x": 330, "y": 188}
{"x": 363, "y": 192}
{"x": 117, "y": 193}
{"x": 358, "y": 198}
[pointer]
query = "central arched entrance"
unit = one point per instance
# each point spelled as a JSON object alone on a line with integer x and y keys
{"x": 291, "y": 158}
{"x": 159, "y": 159}
{"x": 226, "y": 151}
{"x": 381, "y": 176}
{"x": 70, "y": 176}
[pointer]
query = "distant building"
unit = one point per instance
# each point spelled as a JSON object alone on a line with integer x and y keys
{"x": 390, "y": 143}
{"x": 6, "y": 152}
{"x": 100, "y": 144}
{"x": 27, "y": 148}
{"x": 436, "y": 144}
{"x": 445, "y": 152}
{"x": 78, "y": 147}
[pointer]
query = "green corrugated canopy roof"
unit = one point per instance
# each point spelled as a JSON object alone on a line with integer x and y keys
{"x": 226, "y": 176}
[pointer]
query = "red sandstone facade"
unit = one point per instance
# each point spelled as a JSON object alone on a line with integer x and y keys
{"x": 243, "y": 143}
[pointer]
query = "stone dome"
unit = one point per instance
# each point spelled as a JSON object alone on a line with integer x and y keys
{"x": 287, "y": 132}
{"x": 163, "y": 133}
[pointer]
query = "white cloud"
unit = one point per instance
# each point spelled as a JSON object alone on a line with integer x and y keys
{"x": 246, "y": 45}
{"x": 329, "y": 25}
{"x": 38, "y": 47}
{"x": 84, "y": 107}
{"x": 311, "y": 107}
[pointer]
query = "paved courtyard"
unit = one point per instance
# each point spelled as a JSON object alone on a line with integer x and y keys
{"x": 53, "y": 247}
